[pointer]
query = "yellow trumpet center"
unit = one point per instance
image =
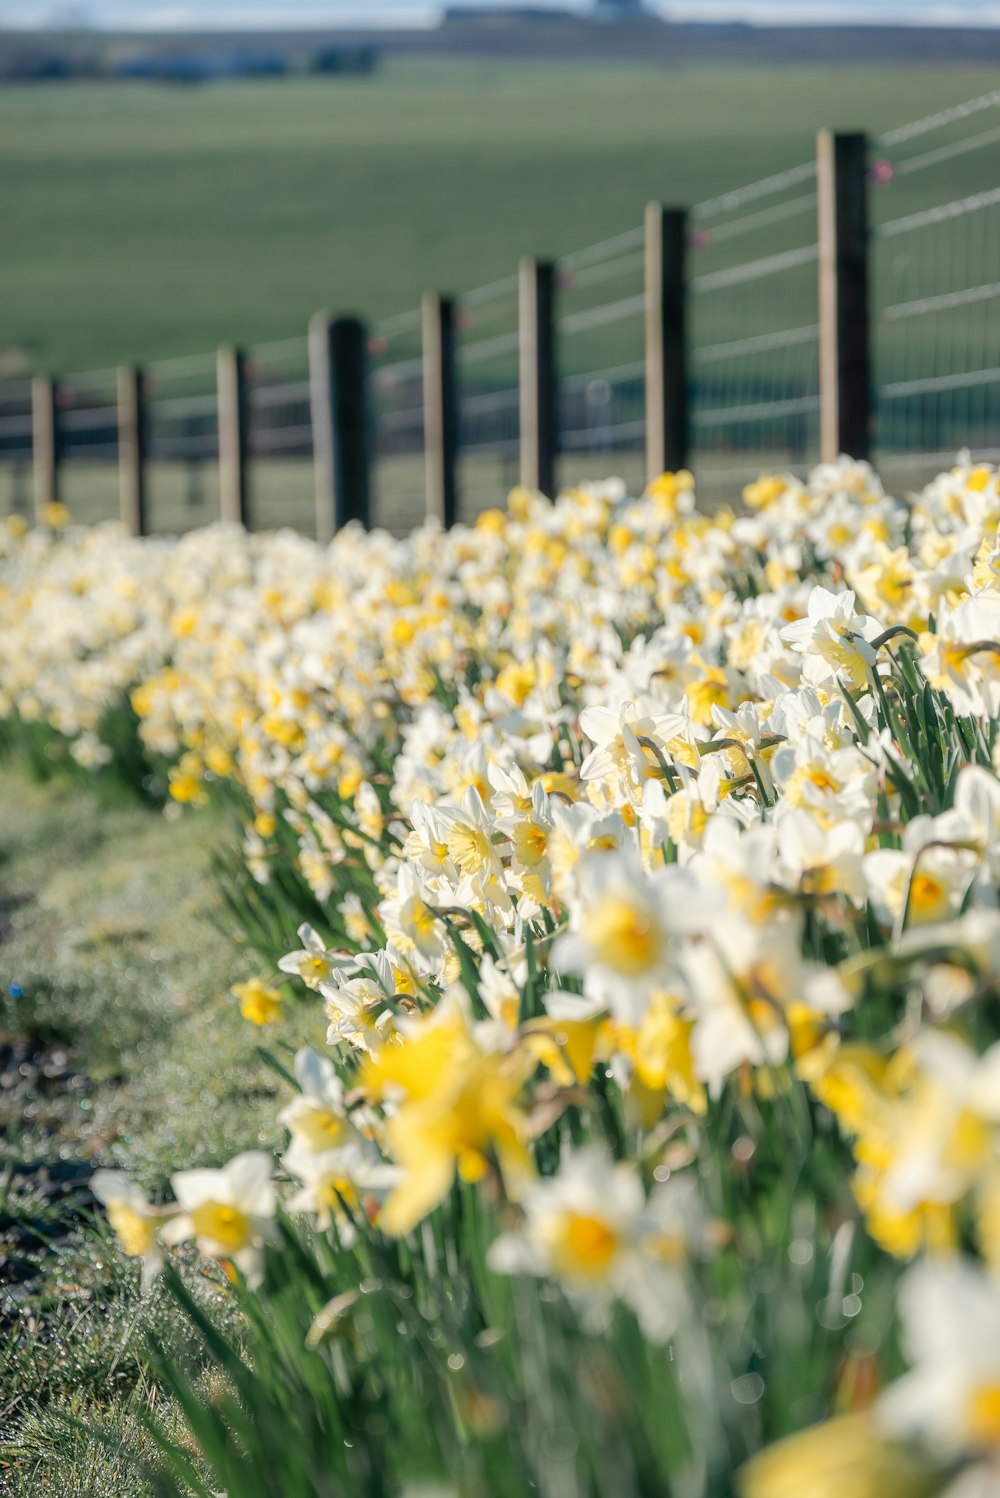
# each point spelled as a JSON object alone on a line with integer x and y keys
{"x": 226, "y": 1227}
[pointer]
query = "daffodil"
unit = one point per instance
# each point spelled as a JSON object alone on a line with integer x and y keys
{"x": 834, "y": 641}
{"x": 340, "y": 1187}
{"x": 317, "y": 1118}
{"x": 848, "y": 1457}
{"x": 314, "y": 963}
{"x": 950, "y": 1399}
{"x": 453, "y": 1108}
{"x": 228, "y": 1212}
{"x": 260, "y": 1003}
{"x": 135, "y": 1220}
{"x": 623, "y": 926}
{"x": 591, "y": 1228}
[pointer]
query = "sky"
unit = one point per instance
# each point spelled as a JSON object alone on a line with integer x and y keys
{"x": 195, "y": 14}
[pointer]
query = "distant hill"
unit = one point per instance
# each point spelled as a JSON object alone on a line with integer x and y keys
{"x": 545, "y": 35}
{"x": 648, "y": 38}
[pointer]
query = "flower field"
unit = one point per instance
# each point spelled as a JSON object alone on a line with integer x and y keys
{"x": 630, "y": 875}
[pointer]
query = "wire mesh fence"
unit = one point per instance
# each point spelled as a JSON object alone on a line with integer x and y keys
{"x": 87, "y": 420}
{"x": 488, "y": 412}
{"x": 753, "y": 359}
{"x": 936, "y": 289}
{"x": 599, "y": 338}
{"x": 755, "y": 330}
{"x": 182, "y": 474}
{"x": 279, "y": 435}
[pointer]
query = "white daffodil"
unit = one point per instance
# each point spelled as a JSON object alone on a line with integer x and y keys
{"x": 530, "y": 869}
{"x": 622, "y": 929}
{"x": 413, "y": 925}
{"x": 134, "y": 1219}
{"x": 922, "y": 882}
{"x": 340, "y": 1187}
{"x": 317, "y": 1117}
{"x": 944, "y": 1134}
{"x": 471, "y": 846}
{"x": 833, "y": 640}
{"x": 833, "y": 784}
{"x": 821, "y": 860}
{"x": 358, "y": 1008}
{"x": 426, "y": 846}
{"x": 950, "y": 1399}
{"x": 960, "y": 660}
{"x": 975, "y": 818}
{"x": 591, "y": 1228}
{"x": 228, "y": 1212}
{"x": 622, "y": 758}
{"x": 955, "y": 956}
{"x": 314, "y": 963}
{"x": 751, "y": 992}
{"x": 579, "y": 829}
{"x": 741, "y": 863}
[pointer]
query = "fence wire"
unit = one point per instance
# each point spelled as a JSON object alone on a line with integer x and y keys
{"x": 279, "y": 435}
{"x": 601, "y": 304}
{"x": 936, "y": 296}
{"x": 489, "y": 418}
{"x": 755, "y": 331}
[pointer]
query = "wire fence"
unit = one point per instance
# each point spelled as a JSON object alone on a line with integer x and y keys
{"x": 935, "y": 268}
{"x": 755, "y": 330}
{"x": 599, "y": 333}
{"x": 279, "y": 435}
{"x": 753, "y": 335}
{"x": 489, "y": 427}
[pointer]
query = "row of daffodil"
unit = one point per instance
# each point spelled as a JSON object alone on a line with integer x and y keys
{"x": 616, "y": 811}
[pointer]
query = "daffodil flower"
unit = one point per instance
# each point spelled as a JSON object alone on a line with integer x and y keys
{"x": 229, "y": 1212}
{"x": 135, "y": 1220}
{"x": 591, "y": 1228}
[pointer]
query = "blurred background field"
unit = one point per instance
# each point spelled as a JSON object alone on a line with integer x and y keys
{"x": 148, "y": 222}
{"x": 144, "y": 221}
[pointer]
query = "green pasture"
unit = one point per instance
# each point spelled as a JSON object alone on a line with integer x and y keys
{"x": 143, "y": 221}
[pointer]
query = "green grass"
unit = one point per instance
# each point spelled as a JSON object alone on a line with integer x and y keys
{"x": 110, "y": 927}
{"x": 145, "y": 221}
{"x": 124, "y": 1048}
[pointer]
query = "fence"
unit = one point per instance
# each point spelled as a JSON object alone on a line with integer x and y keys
{"x": 847, "y": 304}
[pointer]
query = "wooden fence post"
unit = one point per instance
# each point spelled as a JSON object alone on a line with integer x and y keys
{"x": 338, "y": 395}
{"x": 440, "y": 408}
{"x": 231, "y": 394}
{"x": 539, "y": 396}
{"x": 667, "y": 396}
{"x": 132, "y": 451}
{"x": 44, "y": 443}
{"x": 844, "y": 332}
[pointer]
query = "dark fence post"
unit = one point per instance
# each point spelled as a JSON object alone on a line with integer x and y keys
{"x": 338, "y": 394}
{"x": 539, "y": 409}
{"x": 231, "y": 392}
{"x": 440, "y": 408}
{"x": 667, "y": 396}
{"x": 132, "y": 451}
{"x": 44, "y": 443}
{"x": 844, "y": 330}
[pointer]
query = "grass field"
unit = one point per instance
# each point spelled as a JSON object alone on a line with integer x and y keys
{"x": 119, "y": 1043}
{"x": 146, "y": 221}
